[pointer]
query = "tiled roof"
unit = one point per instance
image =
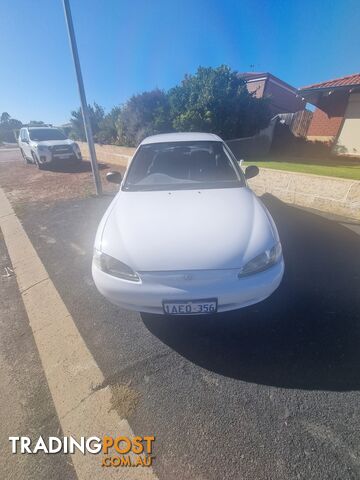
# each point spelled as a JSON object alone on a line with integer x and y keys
{"x": 337, "y": 82}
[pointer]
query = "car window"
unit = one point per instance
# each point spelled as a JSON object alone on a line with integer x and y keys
{"x": 42, "y": 134}
{"x": 182, "y": 165}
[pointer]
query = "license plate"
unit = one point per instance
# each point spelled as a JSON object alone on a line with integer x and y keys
{"x": 190, "y": 307}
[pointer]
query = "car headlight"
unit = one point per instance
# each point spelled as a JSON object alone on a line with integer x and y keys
{"x": 43, "y": 148}
{"x": 114, "y": 267}
{"x": 76, "y": 147}
{"x": 262, "y": 262}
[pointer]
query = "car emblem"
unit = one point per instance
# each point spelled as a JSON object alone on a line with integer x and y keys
{"x": 188, "y": 277}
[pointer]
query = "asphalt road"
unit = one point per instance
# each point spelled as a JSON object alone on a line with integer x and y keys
{"x": 270, "y": 391}
{"x": 26, "y": 404}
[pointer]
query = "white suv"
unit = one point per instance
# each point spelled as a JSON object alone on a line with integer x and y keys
{"x": 45, "y": 145}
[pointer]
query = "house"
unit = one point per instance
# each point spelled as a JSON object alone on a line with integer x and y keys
{"x": 283, "y": 97}
{"x": 336, "y": 119}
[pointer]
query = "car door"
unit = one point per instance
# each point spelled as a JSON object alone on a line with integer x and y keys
{"x": 22, "y": 144}
{"x": 21, "y": 136}
{"x": 25, "y": 143}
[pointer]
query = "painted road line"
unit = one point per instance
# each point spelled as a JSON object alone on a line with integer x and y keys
{"x": 70, "y": 369}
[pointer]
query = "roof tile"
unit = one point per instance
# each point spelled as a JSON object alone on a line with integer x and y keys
{"x": 337, "y": 82}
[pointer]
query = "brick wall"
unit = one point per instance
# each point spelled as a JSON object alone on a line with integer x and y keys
{"x": 324, "y": 126}
{"x": 282, "y": 98}
{"x": 327, "y": 119}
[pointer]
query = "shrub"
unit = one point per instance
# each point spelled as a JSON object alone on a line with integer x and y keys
{"x": 216, "y": 100}
{"x": 286, "y": 143}
{"x": 142, "y": 115}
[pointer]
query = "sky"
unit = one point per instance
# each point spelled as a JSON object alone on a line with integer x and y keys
{"x": 129, "y": 46}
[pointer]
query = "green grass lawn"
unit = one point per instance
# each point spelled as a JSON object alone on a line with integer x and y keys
{"x": 331, "y": 167}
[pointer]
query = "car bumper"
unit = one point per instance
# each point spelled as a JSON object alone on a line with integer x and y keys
{"x": 147, "y": 295}
{"x": 47, "y": 157}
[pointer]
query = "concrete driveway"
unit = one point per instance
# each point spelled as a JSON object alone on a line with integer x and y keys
{"x": 270, "y": 391}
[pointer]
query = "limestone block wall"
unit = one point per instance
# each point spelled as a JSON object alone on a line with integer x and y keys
{"x": 327, "y": 194}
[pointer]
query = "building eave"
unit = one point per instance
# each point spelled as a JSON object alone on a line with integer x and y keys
{"x": 317, "y": 94}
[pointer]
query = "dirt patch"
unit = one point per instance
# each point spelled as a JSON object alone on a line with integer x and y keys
{"x": 25, "y": 183}
{"x": 123, "y": 399}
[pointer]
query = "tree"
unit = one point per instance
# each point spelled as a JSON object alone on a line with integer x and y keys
{"x": 216, "y": 100}
{"x": 108, "y": 131}
{"x": 145, "y": 114}
{"x": 5, "y": 116}
{"x": 96, "y": 114}
{"x": 212, "y": 100}
{"x": 9, "y": 128}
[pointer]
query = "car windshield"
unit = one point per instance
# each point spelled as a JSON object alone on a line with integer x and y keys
{"x": 41, "y": 134}
{"x": 182, "y": 165}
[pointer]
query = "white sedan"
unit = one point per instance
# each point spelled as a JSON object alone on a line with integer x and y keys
{"x": 185, "y": 234}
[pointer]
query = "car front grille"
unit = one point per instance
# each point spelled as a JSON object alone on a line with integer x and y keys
{"x": 62, "y": 149}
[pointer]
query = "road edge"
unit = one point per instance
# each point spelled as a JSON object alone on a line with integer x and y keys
{"x": 70, "y": 369}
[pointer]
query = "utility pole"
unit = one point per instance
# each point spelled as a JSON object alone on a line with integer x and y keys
{"x": 84, "y": 105}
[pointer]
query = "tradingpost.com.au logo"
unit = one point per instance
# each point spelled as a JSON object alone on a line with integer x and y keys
{"x": 119, "y": 451}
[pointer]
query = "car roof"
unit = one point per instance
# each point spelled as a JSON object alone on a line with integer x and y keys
{"x": 181, "y": 137}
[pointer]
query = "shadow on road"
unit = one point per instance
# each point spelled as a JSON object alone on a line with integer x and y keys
{"x": 73, "y": 167}
{"x": 306, "y": 335}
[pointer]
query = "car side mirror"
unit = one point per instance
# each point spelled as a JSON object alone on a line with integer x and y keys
{"x": 251, "y": 171}
{"x": 114, "y": 177}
